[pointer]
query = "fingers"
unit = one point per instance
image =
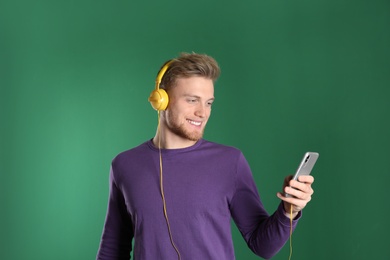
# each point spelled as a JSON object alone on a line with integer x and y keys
{"x": 306, "y": 179}
{"x": 298, "y": 202}
{"x": 299, "y": 190}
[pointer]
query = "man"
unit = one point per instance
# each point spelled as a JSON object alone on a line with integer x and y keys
{"x": 176, "y": 193}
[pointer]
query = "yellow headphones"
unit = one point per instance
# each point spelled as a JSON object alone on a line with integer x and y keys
{"x": 159, "y": 97}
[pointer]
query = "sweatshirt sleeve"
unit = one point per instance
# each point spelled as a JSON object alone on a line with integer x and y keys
{"x": 265, "y": 234}
{"x": 118, "y": 229}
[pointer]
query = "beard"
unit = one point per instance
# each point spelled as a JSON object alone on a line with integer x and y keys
{"x": 184, "y": 133}
{"x": 180, "y": 130}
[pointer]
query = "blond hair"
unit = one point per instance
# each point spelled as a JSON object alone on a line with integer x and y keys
{"x": 190, "y": 65}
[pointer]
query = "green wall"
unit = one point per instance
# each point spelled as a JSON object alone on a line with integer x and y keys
{"x": 296, "y": 76}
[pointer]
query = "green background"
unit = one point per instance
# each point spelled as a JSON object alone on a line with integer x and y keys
{"x": 296, "y": 76}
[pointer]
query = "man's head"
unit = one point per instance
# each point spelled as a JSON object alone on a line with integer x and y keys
{"x": 189, "y": 82}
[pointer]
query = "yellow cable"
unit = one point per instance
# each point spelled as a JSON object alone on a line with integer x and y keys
{"x": 162, "y": 190}
{"x": 291, "y": 231}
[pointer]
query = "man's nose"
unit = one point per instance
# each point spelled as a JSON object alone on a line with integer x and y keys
{"x": 200, "y": 110}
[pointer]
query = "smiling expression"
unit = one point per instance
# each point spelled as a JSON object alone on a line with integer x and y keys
{"x": 189, "y": 108}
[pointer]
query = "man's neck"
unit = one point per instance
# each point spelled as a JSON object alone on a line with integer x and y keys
{"x": 171, "y": 142}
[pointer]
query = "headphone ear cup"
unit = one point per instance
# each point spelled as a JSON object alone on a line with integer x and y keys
{"x": 159, "y": 99}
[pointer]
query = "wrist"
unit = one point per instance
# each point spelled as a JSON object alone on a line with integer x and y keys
{"x": 288, "y": 210}
{"x": 289, "y": 215}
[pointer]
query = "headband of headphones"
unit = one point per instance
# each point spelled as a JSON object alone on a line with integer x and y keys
{"x": 159, "y": 97}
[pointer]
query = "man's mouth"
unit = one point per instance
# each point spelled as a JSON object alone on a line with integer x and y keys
{"x": 195, "y": 123}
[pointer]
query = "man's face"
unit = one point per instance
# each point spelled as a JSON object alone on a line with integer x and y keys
{"x": 189, "y": 107}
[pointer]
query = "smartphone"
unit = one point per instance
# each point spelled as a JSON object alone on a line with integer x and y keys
{"x": 305, "y": 167}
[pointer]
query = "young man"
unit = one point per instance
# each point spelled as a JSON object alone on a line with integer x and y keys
{"x": 176, "y": 193}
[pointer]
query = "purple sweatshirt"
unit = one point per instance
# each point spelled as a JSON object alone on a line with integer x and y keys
{"x": 205, "y": 185}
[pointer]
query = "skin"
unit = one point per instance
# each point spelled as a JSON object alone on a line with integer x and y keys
{"x": 183, "y": 122}
{"x": 302, "y": 192}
